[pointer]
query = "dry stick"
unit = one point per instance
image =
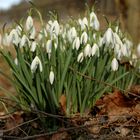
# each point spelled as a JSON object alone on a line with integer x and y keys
{"x": 5, "y": 131}
{"x": 102, "y": 82}
{"x": 59, "y": 131}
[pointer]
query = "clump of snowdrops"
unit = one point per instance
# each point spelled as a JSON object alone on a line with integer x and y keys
{"x": 75, "y": 60}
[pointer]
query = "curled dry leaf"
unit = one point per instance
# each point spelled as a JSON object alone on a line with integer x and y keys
{"x": 62, "y": 102}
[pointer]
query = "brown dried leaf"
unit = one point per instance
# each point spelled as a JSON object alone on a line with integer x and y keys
{"x": 62, "y": 102}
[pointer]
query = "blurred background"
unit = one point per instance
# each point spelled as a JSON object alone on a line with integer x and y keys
{"x": 126, "y": 11}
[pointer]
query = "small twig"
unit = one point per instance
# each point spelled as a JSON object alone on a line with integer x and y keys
{"x": 17, "y": 126}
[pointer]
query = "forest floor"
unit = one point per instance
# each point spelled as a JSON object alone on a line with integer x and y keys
{"x": 115, "y": 116}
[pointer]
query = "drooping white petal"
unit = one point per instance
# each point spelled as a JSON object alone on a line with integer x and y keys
{"x": 35, "y": 63}
{"x": 55, "y": 28}
{"x": 72, "y": 34}
{"x": 87, "y": 50}
{"x": 16, "y": 61}
{"x": 32, "y": 33}
{"x": 49, "y": 46}
{"x": 84, "y": 38}
{"x": 94, "y": 22}
{"x": 80, "y": 57}
{"x": 23, "y": 41}
{"x": 6, "y": 40}
{"x": 108, "y": 37}
{"x": 14, "y": 37}
{"x": 29, "y": 23}
{"x": 19, "y": 30}
{"x": 51, "y": 77}
{"x": 76, "y": 43}
{"x": 114, "y": 64}
{"x": 33, "y": 46}
{"x": 95, "y": 50}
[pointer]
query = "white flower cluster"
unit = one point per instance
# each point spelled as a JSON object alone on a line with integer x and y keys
{"x": 83, "y": 36}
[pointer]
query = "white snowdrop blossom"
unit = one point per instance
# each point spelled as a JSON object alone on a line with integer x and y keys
{"x": 84, "y": 38}
{"x": 95, "y": 50}
{"x": 118, "y": 51}
{"x": 94, "y": 22}
{"x": 133, "y": 60}
{"x": 33, "y": 46}
{"x": 29, "y": 23}
{"x": 14, "y": 37}
{"x": 108, "y": 37}
{"x": 80, "y": 57}
{"x": 87, "y": 50}
{"x": 51, "y": 77}
{"x": 49, "y": 25}
{"x": 49, "y": 46}
{"x": 19, "y": 30}
{"x": 35, "y": 63}
{"x": 16, "y": 61}
{"x": 114, "y": 64}
{"x": 83, "y": 23}
{"x": 55, "y": 28}
{"x": 23, "y": 41}
{"x": 124, "y": 50}
{"x": 72, "y": 34}
{"x": 76, "y": 43}
{"x": 32, "y": 33}
{"x": 6, "y": 40}
{"x": 117, "y": 39}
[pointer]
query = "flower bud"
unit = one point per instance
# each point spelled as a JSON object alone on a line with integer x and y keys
{"x": 51, "y": 77}
{"x": 114, "y": 64}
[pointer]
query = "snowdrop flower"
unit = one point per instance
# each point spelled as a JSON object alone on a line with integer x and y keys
{"x": 134, "y": 59}
{"x": 49, "y": 46}
{"x": 35, "y": 63}
{"x": 87, "y": 50}
{"x": 118, "y": 51}
{"x": 16, "y": 61}
{"x": 33, "y": 46}
{"x": 76, "y": 43}
{"x": 108, "y": 37}
{"x": 80, "y": 57}
{"x": 51, "y": 77}
{"x": 138, "y": 50}
{"x": 55, "y": 28}
{"x": 95, "y": 50}
{"x": 94, "y": 23}
{"x": 117, "y": 39}
{"x": 125, "y": 50}
{"x": 32, "y": 33}
{"x": 29, "y": 23}
{"x": 83, "y": 23}
{"x": 19, "y": 30}
{"x": 114, "y": 64}
{"x": 23, "y": 41}
{"x": 6, "y": 40}
{"x": 42, "y": 33}
{"x": 14, "y": 37}
{"x": 84, "y": 38}
{"x": 49, "y": 25}
{"x": 72, "y": 34}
